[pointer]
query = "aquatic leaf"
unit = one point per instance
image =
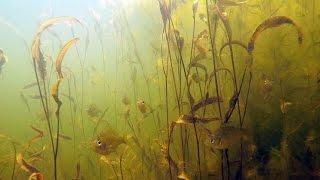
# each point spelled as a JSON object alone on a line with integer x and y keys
{"x": 204, "y": 102}
{"x": 183, "y": 176}
{"x": 199, "y": 57}
{"x": 26, "y": 166}
{"x": 62, "y": 53}
{"x": 283, "y": 105}
{"x": 62, "y": 136}
{"x": 223, "y": 16}
{"x": 214, "y": 72}
{"x": 38, "y": 136}
{"x": 233, "y": 42}
{"x": 35, "y": 48}
{"x": 201, "y": 66}
{"x": 189, "y": 118}
{"x": 165, "y": 12}
{"x": 232, "y": 104}
{"x": 55, "y": 20}
{"x": 36, "y": 176}
{"x": 36, "y": 53}
{"x": 37, "y": 153}
{"x": 198, "y": 65}
{"x": 196, "y": 78}
{"x": 38, "y": 57}
{"x": 55, "y": 91}
{"x": 179, "y": 39}
{"x": 271, "y": 23}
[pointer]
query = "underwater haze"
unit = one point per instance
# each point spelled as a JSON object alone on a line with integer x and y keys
{"x": 159, "y": 89}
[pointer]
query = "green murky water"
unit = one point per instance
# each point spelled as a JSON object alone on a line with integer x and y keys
{"x": 168, "y": 89}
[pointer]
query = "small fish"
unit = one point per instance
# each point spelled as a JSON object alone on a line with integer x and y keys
{"x": 201, "y": 49}
{"x": 126, "y": 113}
{"x": 227, "y": 136}
{"x": 93, "y": 111}
{"x": 141, "y": 106}
{"x": 126, "y": 100}
{"x": 266, "y": 86}
{"x": 107, "y": 142}
{"x": 3, "y": 60}
{"x": 204, "y": 34}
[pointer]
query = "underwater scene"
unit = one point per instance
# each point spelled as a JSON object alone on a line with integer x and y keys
{"x": 159, "y": 89}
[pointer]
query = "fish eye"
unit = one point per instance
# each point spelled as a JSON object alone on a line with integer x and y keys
{"x": 212, "y": 141}
{"x": 99, "y": 143}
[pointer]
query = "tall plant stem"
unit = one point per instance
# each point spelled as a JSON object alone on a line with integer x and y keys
{"x": 176, "y": 92}
{"x": 59, "y": 103}
{"x": 72, "y": 119}
{"x": 82, "y": 82}
{"x": 213, "y": 55}
{"x": 14, "y": 160}
{"x": 45, "y": 111}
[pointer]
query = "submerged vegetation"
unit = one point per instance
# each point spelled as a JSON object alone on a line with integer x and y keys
{"x": 164, "y": 89}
